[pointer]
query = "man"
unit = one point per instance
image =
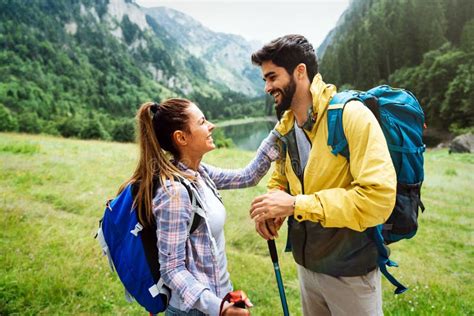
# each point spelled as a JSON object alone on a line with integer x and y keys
{"x": 330, "y": 200}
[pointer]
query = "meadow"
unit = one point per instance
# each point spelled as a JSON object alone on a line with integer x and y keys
{"x": 52, "y": 194}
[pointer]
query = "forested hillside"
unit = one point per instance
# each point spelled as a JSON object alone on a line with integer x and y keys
{"x": 80, "y": 68}
{"x": 426, "y": 46}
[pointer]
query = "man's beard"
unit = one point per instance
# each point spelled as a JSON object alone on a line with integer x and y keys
{"x": 287, "y": 96}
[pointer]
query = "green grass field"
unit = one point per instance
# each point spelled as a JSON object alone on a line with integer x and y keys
{"x": 52, "y": 194}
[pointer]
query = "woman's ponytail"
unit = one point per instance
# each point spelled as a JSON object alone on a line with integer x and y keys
{"x": 156, "y": 124}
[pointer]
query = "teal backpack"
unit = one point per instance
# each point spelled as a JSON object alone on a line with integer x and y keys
{"x": 402, "y": 121}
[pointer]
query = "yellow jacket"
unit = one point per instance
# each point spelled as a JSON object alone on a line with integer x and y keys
{"x": 338, "y": 193}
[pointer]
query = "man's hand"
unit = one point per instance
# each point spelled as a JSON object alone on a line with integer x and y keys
{"x": 268, "y": 229}
{"x": 272, "y": 205}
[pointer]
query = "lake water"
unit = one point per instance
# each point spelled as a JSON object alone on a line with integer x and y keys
{"x": 248, "y": 136}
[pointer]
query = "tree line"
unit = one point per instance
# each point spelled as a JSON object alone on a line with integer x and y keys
{"x": 424, "y": 46}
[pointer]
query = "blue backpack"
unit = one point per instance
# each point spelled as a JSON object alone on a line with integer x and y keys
{"x": 132, "y": 251}
{"x": 402, "y": 121}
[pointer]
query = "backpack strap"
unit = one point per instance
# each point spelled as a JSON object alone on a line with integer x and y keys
{"x": 283, "y": 151}
{"x": 383, "y": 261}
{"x": 336, "y": 137}
{"x": 149, "y": 240}
{"x": 103, "y": 245}
{"x": 195, "y": 220}
{"x": 407, "y": 150}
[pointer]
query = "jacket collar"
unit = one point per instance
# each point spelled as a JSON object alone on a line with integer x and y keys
{"x": 322, "y": 94}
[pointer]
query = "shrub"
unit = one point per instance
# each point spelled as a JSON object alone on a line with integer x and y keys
{"x": 70, "y": 126}
{"x": 458, "y": 130}
{"x": 220, "y": 140}
{"x": 29, "y": 122}
{"x": 8, "y": 122}
{"x": 50, "y": 128}
{"x": 93, "y": 129}
{"x": 124, "y": 130}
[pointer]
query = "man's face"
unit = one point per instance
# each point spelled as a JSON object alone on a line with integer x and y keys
{"x": 280, "y": 85}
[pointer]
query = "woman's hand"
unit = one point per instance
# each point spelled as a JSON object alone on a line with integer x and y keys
{"x": 235, "y": 304}
{"x": 231, "y": 310}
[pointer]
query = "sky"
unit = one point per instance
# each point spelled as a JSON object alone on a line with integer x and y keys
{"x": 262, "y": 20}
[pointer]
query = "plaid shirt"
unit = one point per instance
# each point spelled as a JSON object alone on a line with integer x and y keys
{"x": 188, "y": 263}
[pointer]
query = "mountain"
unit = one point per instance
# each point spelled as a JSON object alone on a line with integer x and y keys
{"x": 328, "y": 40}
{"x": 81, "y": 68}
{"x": 424, "y": 46}
{"x": 226, "y": 57}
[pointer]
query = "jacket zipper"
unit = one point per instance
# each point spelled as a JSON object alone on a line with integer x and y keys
{"x": 303, "y": 256}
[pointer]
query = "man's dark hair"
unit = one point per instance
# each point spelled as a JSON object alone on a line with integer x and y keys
{"x": 288, "y": 51}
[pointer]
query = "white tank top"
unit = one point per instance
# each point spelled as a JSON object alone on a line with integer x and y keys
{"x": 216, "y": 215}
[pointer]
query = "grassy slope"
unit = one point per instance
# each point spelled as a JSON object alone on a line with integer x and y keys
{"x": 52, "y": 192}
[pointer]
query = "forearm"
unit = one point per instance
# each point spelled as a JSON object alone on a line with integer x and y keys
{"x": 251, "y": 174}
{"x": 187, "y": 287}
{"x": 208, "y": 303}
{"x": 356, "y": 208}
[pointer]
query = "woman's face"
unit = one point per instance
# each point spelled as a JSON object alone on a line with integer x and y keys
{"x": 200, "y": 131}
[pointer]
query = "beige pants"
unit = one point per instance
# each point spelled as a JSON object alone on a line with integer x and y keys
{"x": 322, "y": 294}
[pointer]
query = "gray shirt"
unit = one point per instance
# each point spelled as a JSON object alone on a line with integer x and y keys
{"x": 304, "y": 145}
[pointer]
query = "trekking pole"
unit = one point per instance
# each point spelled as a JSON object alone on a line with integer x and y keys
{"x": 276, "y": 267}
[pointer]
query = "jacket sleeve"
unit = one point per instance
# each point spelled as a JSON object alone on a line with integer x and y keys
{"x": 369, "y": 199}
{"x": 173, "y": 213}
{"x": 252, "y": 173}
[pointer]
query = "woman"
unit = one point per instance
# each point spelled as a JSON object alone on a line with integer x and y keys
{"x": 193, "y": 266}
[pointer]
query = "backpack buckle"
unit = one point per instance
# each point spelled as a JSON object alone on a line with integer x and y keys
{"x": 138, "y": 228}
{"x": 107, "y": 204}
